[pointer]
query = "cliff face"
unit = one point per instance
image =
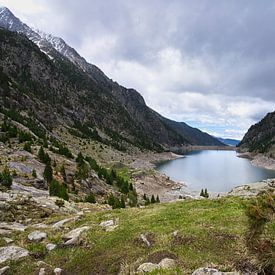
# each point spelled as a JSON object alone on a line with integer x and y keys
{"x": 260, "y": 138}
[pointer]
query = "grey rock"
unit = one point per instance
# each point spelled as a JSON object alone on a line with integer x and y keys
{"x": 37, "y": 236}
{"x": 4, "y": 269}
{"x": 42, "y": 271}
{"x": 107, "y": 223}
{"x": 57, "y": 271}
{"x": 212, "y": 271}
{"x": 8, "y": 240}
{"x": 50, "y": 246}
{"x": 167, "y": 263}
{"x": 72, "y": 237}
{"x": 12, "y": 253}
{"x": 147, "y": 267}
{"x": 14, "y": 226}
{"x": 60, "y": 224}
{"x": 145, "y": 240}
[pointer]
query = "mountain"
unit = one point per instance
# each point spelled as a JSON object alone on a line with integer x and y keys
{"x": 60, "y": 88}
{"x": 260, "y": 138}
{"x": 229, "y": 141}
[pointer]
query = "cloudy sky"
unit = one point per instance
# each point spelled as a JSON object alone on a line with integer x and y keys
{"x": 208, "y": 63}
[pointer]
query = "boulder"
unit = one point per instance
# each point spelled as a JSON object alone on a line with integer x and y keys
{"x": 13, "y": 226}
{"x": 72, "y": 237}
{"x": 212, "y": 271}
{"x": 57, "y": 271}
{"x": 167, "y": 263}
{"x": 147, "y": 267}
{"x": 50, "y": 246}
{"x": 60, "y": 224}
{"x": 12, "y": 253}
{"x": 37, "y": 236}
{"x": 42, "y": 271}
{"x": 107, "y": 223}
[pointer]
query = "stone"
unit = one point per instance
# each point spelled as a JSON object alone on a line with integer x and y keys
{"x": 37, "y": 236}
{"x": 57, "y": 271}
{"x": 167, "y": 263}
{"x": 42, "y": 271}
{"x": 12, "y": 253}
{"x": 50, "y": 246}
{"x": 72, "y": 241}
{"x": 13, "y": 226}
{"x": 212, "y": 271}
{"x": 4, "y": 269}
{"x": 60, "y": 224}
{"x": 145, "y": 240}
{"x": 147, "y": 267}
{"x": 71, "y": 237}
{"x": 8, "y": 240}
{"x": 107, "y": 223}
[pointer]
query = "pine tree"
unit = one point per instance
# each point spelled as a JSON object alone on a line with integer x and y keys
{"x": 157, "y": 199}
{"x": 153, "y": 200}
{"x": 202, "y": 193}
{"x": 63, "y": 172}
{"x": 144, "y": 197}
{"x": 79, "y": 159}
{"x": 27, "y": 147}
{"x": 48, "y": 173}
{"x": 41, "y": 154}
{"x": 122, "y": 202}
{"x": 206, "y": 195}
{"x": 6, "y": 178}
{"x": 34, "y": 174}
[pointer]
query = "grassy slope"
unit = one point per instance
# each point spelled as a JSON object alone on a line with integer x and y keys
{"x": 212, "y": 233}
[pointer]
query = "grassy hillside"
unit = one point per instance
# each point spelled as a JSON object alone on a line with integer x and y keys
{"x": 210, "y": 233}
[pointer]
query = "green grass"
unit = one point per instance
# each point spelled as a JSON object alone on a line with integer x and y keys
{"x": 211, "y": 232}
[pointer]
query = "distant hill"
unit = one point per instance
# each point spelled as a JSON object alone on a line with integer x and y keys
{"x": 260, "y": 138}
{"x": 229, "y": 141}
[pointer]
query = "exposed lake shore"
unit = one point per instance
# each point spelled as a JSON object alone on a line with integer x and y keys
{"x": 259, "y": 160}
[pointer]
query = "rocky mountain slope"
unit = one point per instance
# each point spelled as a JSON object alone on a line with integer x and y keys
{"x": 260, "y": 138}
{"x": 147, "y": 128}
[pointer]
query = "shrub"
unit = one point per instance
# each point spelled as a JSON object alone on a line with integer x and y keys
{"x": 27, "y": 147}
{"x": 90, "y": 198}
{"x": 58, "y": 190}
{"x": 6, "y": 178}
{"x": 260, "y": 212}
{"x": 34, "y": 174}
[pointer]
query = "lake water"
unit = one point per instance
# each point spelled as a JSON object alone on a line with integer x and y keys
{"x": 217, "y": 171}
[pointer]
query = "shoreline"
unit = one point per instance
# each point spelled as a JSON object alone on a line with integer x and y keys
{"x": 258, "y": 160}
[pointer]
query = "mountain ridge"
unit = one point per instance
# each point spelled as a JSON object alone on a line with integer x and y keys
{"x": 161, "y": 131}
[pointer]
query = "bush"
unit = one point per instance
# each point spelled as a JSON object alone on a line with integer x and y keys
{"x": 34, "y": 174}
{"x": 260, "y": 242}
{"x": 90, "y": 198}
{"x": 27, "y": 147}
{"x": 58, "y": 190}
{"x": 6, "y": 178}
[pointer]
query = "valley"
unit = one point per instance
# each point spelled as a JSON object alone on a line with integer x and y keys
{"x": 94, "y": 181}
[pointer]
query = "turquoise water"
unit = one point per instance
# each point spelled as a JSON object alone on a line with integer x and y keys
{"x": 217, "y": 171}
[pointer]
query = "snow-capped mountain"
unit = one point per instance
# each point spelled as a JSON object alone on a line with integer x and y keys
{"x": 49, "y": 43}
